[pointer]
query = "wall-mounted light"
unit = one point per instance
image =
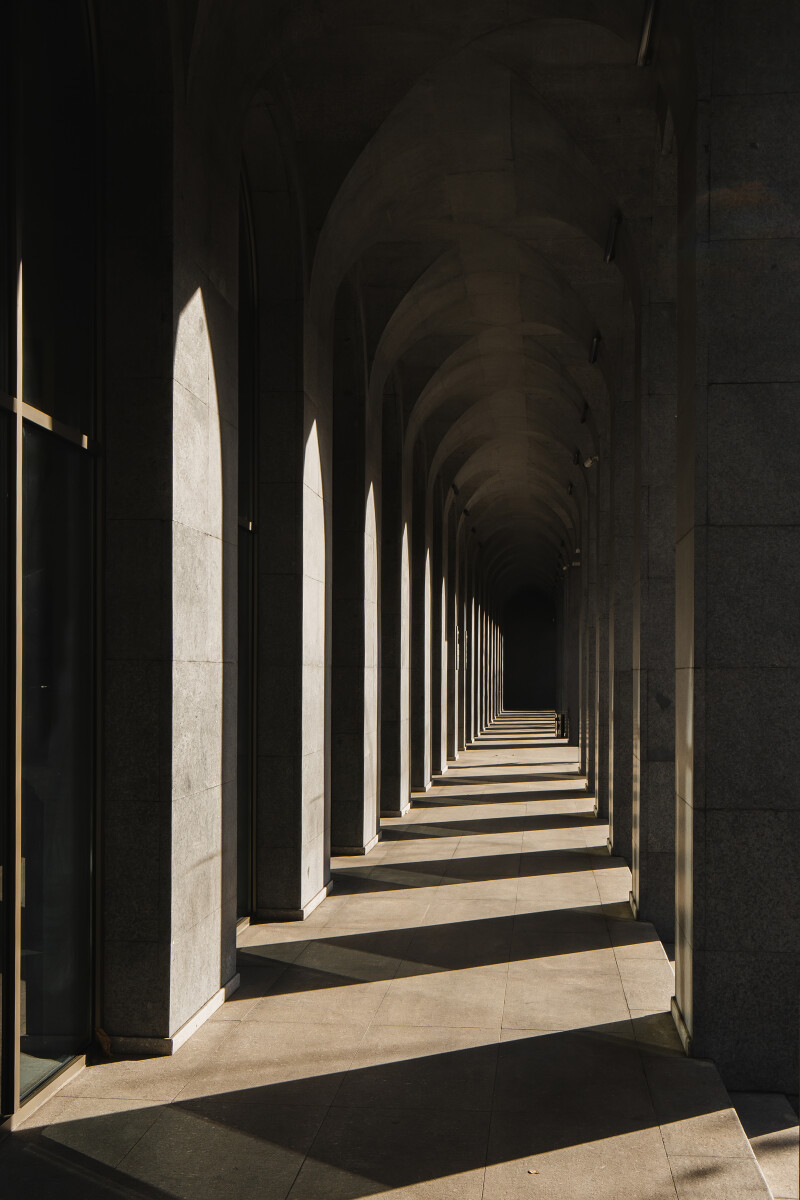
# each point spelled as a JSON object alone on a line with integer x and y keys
{"x": 589, "y": 462}
{"x": 611, "y": 238}
{"x": 643, "y": 57}
{"x": 593, "y": 352}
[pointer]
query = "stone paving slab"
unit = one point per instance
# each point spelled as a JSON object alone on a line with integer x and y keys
{"x": 473, "y": 1012}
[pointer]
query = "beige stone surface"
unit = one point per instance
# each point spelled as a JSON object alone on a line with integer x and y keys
{"x": 473, "y": 1013}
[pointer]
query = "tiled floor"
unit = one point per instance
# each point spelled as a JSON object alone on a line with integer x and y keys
{"x": 473, "y": 1013}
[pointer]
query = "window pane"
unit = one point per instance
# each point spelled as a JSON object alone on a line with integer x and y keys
{"x": 58, "y": 211}
{"x": 7, "y": 432}
{"x": 57, "y": 753}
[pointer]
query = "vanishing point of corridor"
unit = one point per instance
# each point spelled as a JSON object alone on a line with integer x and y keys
{"x": 472, "y": 1013}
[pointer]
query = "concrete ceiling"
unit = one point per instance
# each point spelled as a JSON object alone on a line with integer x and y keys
{"x": 464, "y": 161}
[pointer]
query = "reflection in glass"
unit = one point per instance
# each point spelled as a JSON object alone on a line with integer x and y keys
{"x": 57, "y": 753}
{"x": 7, "y": 434}
{"x": 57, "y": 211}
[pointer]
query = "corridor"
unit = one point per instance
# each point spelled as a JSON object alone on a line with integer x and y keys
{"x": 472, "y": 1013}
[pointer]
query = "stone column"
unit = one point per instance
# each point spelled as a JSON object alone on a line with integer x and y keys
{"x": 584, "y": 648}
{"x": 470, "y": 722}
{"x": 354, "y": 707}
{"x": 438, "y": 639}
{"x": 653, "y": 865}
{"x": 420, "y": 628}
{"x": 463, "y": 609}
{"x": 480, "y": 662}
{"x": 493, "y": 669}
{"x": 602, "y": 492}
{"x": 169, "y": 653}
{"x": 452, "y": 632}
{"x": 620, "y": 769}
{"x": 590, "y": 658}
{"x": 738, "y": 551}
{"x": 394, "y": 674}
{"x": 574, "y": 592}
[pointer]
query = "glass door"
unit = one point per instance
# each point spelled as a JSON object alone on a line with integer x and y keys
{"x": 48, "y": 468}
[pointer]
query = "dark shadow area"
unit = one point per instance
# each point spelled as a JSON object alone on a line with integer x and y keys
{"x": 462, "y": 1110}
{"x": 441, "y": 780}
{"x": 529, "y": 633}
{"x": 341, "y": 960}
{"x": 487, "y": 798}
{"x": 766, "y": 1112}
{"x": 468, "y": 781}
{"x": 513, "y": 744}
{"x": 32, "y": 1167}
{"x": 522, "y": 864}
{"x": 481, "y": 825}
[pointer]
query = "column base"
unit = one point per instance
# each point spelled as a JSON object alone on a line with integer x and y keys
{"x": 345, "y": 850}
{"x": 294, "y": 914}
{"x": 156, "y": 1047}
{"x": 634, "y": 906}
{"x": 680, "y": 1025}
{"x": 394, "y": 813}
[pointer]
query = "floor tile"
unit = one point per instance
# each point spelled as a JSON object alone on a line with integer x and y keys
{"x": 420, "y": 1154}
{"x": 472, "y": 1014}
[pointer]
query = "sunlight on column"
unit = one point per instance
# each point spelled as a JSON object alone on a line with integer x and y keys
{"x": 197, "y": 616}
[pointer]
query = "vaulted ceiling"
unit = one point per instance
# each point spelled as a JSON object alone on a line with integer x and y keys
{"x": 467, "y": 163}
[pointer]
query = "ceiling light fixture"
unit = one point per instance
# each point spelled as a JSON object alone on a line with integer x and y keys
{"x": 589, "y": 462}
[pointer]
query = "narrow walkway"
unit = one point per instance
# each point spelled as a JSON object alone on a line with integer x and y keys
{"x": 473, "y": 1013}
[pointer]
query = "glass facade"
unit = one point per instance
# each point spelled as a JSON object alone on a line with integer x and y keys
{"x": 57, "y": 752}
{"x": 48, "y": 465}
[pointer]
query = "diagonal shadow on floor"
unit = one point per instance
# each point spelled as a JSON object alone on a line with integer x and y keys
{"x": 527, "y": 1105}
{"x": 350, "y": 958}
{"x": 505, "y": 1038}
